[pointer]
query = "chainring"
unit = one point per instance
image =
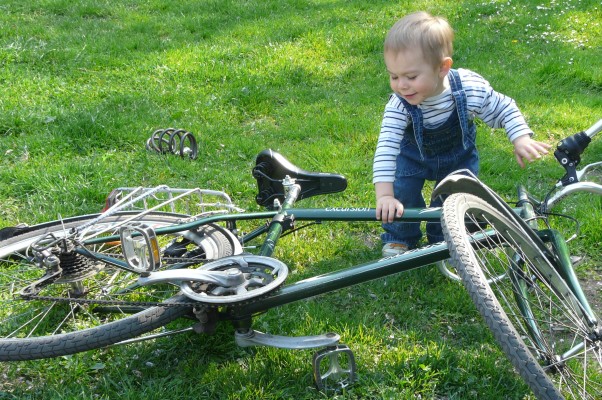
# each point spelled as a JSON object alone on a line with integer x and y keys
{"x": 262, "y": 275}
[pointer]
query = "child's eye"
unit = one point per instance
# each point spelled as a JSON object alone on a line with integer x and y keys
{"x": 411, "y": 78}
{"x": 393, "y": 78}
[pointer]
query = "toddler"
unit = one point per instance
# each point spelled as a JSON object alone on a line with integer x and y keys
{"x": 427, "y": 130}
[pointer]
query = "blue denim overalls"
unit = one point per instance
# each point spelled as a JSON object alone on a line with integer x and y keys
{"x": 431, "y": 154}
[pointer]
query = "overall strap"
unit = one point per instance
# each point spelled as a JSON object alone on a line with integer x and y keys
{"x": 459, "y": 96}
{"x": 415, "y": 115}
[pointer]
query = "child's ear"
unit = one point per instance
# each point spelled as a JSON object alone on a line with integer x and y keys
{"x": 446, "y": 65}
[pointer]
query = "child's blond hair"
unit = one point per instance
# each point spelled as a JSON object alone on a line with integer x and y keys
{"x": 433, "y": 35}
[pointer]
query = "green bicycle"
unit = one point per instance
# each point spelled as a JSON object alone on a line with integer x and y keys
{"x": 156, "y": 255}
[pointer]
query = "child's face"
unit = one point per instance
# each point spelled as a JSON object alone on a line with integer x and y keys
{"x": 412, "y": 77}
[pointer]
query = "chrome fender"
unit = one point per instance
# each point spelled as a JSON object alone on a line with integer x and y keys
{"x": 464, "y": 181}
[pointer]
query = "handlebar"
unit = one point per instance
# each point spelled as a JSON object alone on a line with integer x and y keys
{"x": 594, "y": 129}
{"x": 568, "y": 152}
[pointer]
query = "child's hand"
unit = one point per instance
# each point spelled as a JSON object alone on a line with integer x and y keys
{"x": 387, "y": 208}
{"x": 528, "y": 149}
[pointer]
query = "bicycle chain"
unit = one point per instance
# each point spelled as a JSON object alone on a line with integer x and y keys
{"x": 146, "y": 303}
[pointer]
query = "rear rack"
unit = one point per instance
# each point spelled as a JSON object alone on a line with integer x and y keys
{"x": 193, "y": 202}
{"x": 188, "y": 203}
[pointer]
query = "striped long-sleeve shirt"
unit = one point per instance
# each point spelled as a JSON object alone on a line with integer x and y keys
{"x": 495, "y": 109}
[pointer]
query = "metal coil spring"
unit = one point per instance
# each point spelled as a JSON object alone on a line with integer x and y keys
{"x": 175, "y": 141}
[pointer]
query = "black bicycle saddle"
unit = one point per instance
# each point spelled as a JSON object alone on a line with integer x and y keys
{"x": 271, "y": 168}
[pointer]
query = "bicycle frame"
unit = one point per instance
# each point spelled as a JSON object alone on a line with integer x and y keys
{"x": 282, "y": 218}
{"x": 316, "y": 285}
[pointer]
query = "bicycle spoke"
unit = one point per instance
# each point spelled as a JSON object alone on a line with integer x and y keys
{"x": 39, "y": 301}
{"x": 536, "y": 301}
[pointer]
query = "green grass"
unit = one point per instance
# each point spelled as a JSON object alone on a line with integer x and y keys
{"x": 84, "y": 83}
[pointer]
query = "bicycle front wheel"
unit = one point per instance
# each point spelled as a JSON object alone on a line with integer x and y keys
{"x": 538, "y": 322}
{"x": 92, "y": 304}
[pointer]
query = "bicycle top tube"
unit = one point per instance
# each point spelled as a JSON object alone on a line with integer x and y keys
{"x": 362, "y": 214}
{"x": 341, "y": 214}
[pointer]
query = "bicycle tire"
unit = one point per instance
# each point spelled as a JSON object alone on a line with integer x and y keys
{"x": 531, "y": 312}
{"x": 62, "y": 328}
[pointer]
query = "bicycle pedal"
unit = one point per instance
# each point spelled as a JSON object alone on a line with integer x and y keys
{"x": 334, "y": 368}
{"x": 140, "y": 247}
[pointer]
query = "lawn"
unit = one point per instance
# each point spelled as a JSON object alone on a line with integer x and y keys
{"x": 83, "y": 84}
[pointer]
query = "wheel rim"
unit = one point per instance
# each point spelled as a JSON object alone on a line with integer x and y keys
{"x": 89, "y": 295}
{"x": 549, "y": 322}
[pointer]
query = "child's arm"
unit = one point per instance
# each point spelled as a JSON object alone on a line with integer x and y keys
{"x": 500, "y": 111}
{"x": 528, "y": 149}
{"x": 387, "y": 206}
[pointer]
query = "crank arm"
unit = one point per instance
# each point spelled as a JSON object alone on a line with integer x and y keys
{"x": 255, "y": 338}
{"x": 228, "y": 278}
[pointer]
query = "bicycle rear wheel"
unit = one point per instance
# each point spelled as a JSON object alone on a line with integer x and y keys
{"x": 90, "y": 305}
{"x": 531, "y": 311}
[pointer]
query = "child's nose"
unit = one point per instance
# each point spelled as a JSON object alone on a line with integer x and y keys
{"x": 402, "y": 84}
